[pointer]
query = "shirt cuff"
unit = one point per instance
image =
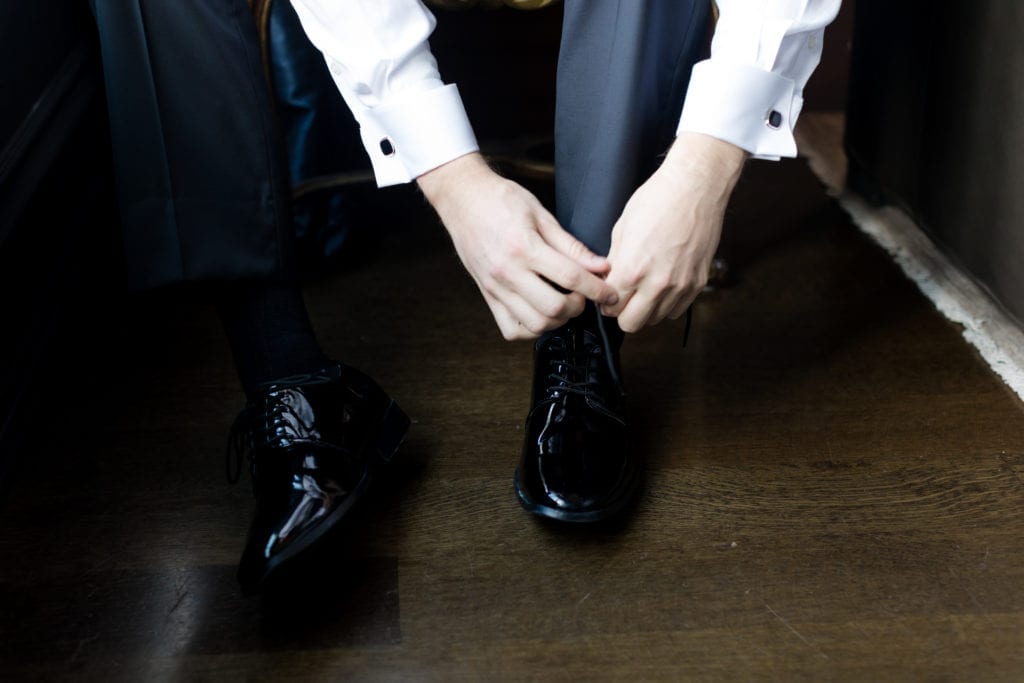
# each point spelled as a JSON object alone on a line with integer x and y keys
{"x": 405, "y": 139}
{"x": 747, "y": 106}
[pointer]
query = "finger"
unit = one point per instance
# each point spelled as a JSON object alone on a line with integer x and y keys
{"x": 673, "y": 304}
{"x": 685, "y": 297}
{"x": 668, "y": 303}
{"x": 626, "y": 283}
{"x": 530, "y": 323}
{"x": 637, "y": 312}
{"x": 569, "y": 246}
{"x": 510, "y": 319}
{"x": 563, "y": 271}
{"x": 614, "y": 311}
{"x": 680, "y": 308}
{"x": 554, "y": 305}
{"x": 507, "y": 324}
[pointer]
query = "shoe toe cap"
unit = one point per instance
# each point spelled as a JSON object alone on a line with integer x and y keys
{"x": 578, "y": 477}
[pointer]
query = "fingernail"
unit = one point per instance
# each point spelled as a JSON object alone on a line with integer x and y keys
{"x": 611, "y": 300}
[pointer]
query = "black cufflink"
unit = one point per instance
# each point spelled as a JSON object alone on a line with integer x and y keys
{"x": 386, "y": 147}
{"x": 774, "y": 119}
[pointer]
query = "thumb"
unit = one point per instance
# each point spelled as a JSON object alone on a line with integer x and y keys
{"x": 564, "y": 243}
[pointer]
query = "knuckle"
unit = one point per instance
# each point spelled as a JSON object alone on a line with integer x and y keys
{"x": 489, "y": 289}
{"x": 630, "y": 276}
{"x": 514, "y": 248}
{"x": 662, "y": 284}
{"x": 555, "y": 309}
{"x": 577, "y": 249}
{"x": 499, "y": 270}
{"x": 690, "y": 291}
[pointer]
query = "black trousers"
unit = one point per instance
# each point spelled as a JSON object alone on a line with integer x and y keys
{"x": 202, "y": 183}
{"x": 201, "y": 177}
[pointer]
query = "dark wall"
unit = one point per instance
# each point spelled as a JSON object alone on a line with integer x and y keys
{"x": 504, "y": 64}
{"x": 936, "y": 124}
{"x": 56, "y": 216}
{"x": 37, "y": 37}
{"x": 828, "y": 87}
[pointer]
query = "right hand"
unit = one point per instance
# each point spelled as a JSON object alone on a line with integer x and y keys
{"x": 514, "y": 249}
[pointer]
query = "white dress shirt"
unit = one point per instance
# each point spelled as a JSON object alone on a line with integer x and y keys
{"x": 749, "y": 92}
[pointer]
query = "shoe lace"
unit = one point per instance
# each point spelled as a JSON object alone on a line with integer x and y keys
{"x": 569, "y": 377}
{"x": 565, "y": 377}
{"x": 250, "y": 427}
{"x": 607, "y": 349}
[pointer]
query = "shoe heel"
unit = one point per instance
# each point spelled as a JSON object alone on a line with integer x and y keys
{"x": 391, "y": 432}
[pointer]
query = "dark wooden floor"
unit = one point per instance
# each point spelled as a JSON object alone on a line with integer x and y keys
{"x": 835, "y": 491}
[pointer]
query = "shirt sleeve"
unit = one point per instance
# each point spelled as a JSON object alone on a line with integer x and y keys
{"x": 750, "y": 92}
{"x": 377, "y": 52}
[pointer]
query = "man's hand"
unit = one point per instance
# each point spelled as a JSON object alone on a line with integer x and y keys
{"x": 514, "y": 249}
{"x": 663, "y": 243}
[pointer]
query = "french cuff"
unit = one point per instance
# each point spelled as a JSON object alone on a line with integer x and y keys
{"x": 408, "y": 138}
{"x": 747, "y": 106}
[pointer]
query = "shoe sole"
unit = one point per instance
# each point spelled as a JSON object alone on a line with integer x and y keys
{"x": 382, "y": 446}
{"x": 573, "y": 516}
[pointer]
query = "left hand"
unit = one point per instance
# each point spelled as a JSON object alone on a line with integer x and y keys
{"x": 663, "y": 242}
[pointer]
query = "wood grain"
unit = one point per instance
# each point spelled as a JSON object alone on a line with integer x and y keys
{"x": 835, "y": 490}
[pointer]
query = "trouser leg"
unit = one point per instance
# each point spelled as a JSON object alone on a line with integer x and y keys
{"x": 202, "y": 183}
{"x": 203, "y": 189}
{"x": 623, "y": 70}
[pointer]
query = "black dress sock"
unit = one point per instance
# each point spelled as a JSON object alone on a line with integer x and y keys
{"x": 269, "y": 331}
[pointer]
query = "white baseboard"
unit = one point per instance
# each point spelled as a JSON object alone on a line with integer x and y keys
{"x": 996, "y": 335}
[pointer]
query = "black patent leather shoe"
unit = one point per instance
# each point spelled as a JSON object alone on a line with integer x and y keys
{"x": 314, "y": 444}
{"x": 576, "y": 464}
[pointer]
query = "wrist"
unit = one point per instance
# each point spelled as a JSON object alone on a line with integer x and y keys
{"x": 440, "y": 183}
{"x": 712, "y": 162}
